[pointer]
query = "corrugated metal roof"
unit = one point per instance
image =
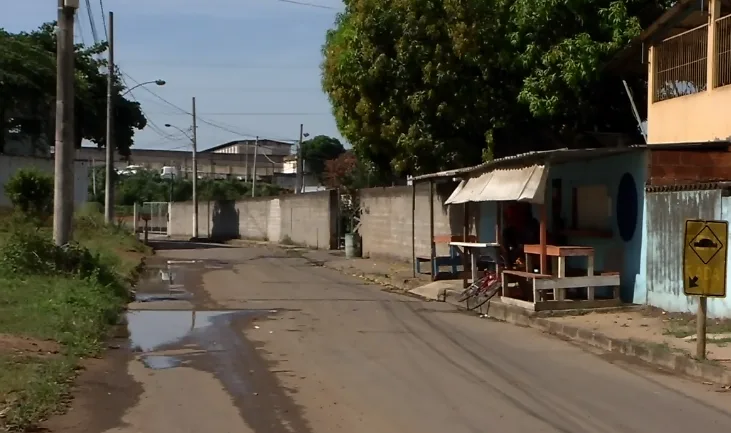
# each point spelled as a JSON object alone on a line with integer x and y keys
{"x": 532, "y": 158}
{"x": 519, "y": 184}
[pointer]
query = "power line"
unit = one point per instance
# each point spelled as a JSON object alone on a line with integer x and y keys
{"x": 312, "y": 5}
{"x": 203, "y": 120}
{"x": 104, "y": 19}
{"x": 251, "y": 114}
{"x": 198, "y": 65}
{"x": 258, "y": 89}
{"x": 90, "y": 13}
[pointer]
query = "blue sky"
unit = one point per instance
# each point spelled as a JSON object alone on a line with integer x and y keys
{"x": 253, "y": 65}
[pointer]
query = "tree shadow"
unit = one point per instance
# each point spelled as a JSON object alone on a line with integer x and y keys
{"x": 225, "y": 221}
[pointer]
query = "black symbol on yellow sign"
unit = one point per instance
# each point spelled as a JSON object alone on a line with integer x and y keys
{"x": 705, "y": 258}
{"x": 706, "y": 245}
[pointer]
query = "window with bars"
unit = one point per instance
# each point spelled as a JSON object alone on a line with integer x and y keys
{"x": 681, "y": 63}
{"x": 723, "y": 51}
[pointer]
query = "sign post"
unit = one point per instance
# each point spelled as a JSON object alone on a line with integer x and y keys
{"x": 704, "y": 268}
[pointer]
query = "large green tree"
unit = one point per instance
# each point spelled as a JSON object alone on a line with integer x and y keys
{"x": 318, "y": 150}
{"x": 423, "y": 85}
{"x": 27, "y": 92}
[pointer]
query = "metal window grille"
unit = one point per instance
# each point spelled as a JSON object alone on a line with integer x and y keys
{"x": 723, "y": 51}
{"x": 681, "y": 64}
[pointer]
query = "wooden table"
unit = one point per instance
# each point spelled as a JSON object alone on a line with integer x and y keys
{"x": 469, "y": 247}
{"x": 559, "y": 254}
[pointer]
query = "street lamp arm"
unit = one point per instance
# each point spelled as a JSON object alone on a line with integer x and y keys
{"x": 157, "y": 82}
{"x": 167, "y": 125}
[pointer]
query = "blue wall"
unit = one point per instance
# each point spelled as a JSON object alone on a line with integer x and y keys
{"x": 607, "y": 171}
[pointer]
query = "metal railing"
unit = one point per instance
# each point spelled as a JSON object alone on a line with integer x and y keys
{"x": 723, "y": 52}
{"x": 681, "y": 64}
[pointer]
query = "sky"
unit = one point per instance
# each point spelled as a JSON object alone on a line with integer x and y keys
{"x": 252, "y": 65}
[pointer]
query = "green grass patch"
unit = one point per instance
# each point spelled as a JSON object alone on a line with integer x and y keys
{"x": 67, "y": 299}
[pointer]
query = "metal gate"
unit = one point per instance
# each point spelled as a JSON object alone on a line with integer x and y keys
{"x": 158, "y": 215}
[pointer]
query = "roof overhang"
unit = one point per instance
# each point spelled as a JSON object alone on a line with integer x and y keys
{"x": 516, "y": 184}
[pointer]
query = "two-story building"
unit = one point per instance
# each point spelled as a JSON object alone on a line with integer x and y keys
{"x": 689, "y": 73}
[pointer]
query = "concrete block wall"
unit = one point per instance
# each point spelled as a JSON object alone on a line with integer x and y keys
{"x": 386, "y": 220}
{"x": 304, "y": 219}
{"x": 310, "y": 219}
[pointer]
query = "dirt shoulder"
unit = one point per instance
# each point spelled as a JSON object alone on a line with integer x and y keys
{"x": 57, "y": 309}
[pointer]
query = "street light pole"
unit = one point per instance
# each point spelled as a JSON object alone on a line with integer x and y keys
{"x": 195, "y": 175}
{"x": 109, "y": 180}
{"x": 63, "y": 190}
{"x": 298, "y": 175}
{"x": 253, "y": 177}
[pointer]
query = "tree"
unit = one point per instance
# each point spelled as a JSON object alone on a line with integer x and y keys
{"x": 423, "y": 85}
{"x": 318, "y": 150}
{"x": 27, "y": 92}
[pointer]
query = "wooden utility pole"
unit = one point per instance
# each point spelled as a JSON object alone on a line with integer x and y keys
{"x": 109, "y": 178}
{"x": 64, "y": 146}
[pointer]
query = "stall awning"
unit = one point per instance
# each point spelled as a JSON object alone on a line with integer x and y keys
{"x": 518, "y": 184}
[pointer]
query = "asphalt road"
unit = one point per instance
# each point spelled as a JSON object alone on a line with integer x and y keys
{"x": 278, "y": 344}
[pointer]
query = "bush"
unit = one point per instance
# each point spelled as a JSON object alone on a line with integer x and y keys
{"x": 31, "y": 192}
{"x": 28, "y": 252}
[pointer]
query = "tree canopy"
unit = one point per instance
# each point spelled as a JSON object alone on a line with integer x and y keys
{"x": 318, "y": 150}
{"x": 423, "y": 85}
{"x": 28, "y": 89}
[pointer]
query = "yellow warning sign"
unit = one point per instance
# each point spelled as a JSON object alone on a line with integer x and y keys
{"x": 704, "y": 258}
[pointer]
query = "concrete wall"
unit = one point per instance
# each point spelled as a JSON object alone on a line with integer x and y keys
{"x": 10, "y": 164}
{"x": 303, "y": 219}
{"x": 386, "y": 220}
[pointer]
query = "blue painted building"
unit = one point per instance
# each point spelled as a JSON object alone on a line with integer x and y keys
{"x": 630, "y": 205}
{"x": 608, "y": 181}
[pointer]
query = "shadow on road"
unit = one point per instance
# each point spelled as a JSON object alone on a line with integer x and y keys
{"x": 198, "y": 244}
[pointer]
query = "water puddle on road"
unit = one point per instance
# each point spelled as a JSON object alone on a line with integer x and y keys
{"x": 165, "y": 282}
{"x": 188, "y": 333}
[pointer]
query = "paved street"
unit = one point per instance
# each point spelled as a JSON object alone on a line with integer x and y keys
{"x": 279, "y": 344}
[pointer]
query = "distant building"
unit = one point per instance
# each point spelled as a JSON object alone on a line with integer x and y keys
{"x": 232, "y": 159}
{"x": 246, "y": 147}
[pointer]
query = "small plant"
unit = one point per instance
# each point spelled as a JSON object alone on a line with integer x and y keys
{"x": 31, "y": 192}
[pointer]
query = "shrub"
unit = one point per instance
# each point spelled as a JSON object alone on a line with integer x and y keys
{"x": 28, "y": 252}
{"x": 31, "y": 192}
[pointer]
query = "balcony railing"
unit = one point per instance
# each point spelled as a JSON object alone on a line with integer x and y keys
{"x": 723, "y": 51}
{"x": 681, "y": 64}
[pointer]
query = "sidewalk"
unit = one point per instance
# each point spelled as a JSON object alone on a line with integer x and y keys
{"x": 656, "y": 337}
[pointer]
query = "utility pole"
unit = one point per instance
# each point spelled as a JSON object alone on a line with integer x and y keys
{"x": 109, "y": 178}
{"x": 195, "y": 175}
{"x": 64, "y": 150}
{"x": 253, "y": 177}
{"x": 298, "y": 176}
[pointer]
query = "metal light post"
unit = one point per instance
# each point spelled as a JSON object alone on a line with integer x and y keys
{"x": 157, "y": 82}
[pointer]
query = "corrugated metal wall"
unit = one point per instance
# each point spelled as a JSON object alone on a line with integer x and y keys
{"x": 667, "y": 212}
